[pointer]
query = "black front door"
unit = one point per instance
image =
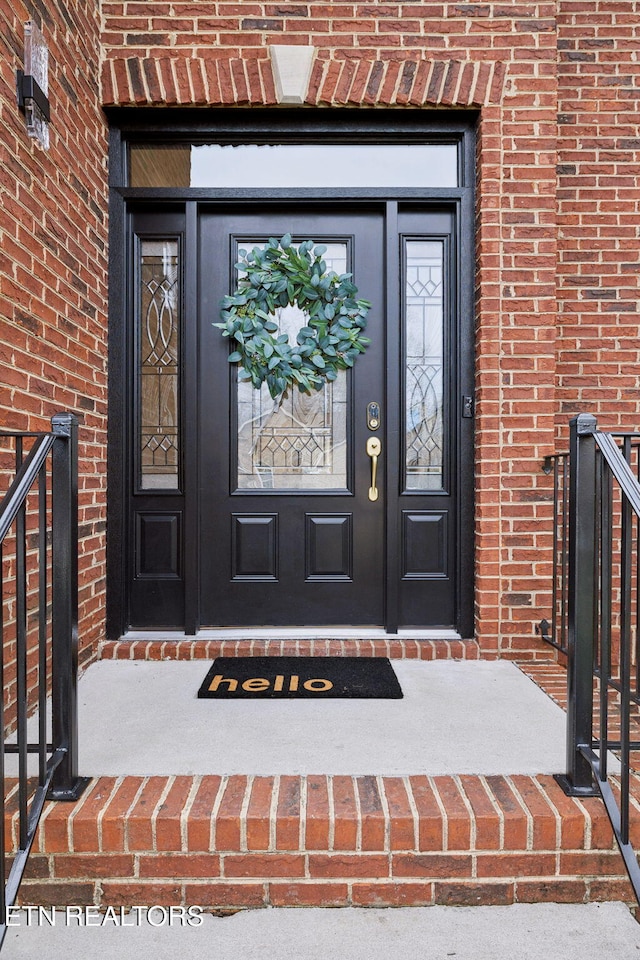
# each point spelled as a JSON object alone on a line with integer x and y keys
{"x": 290, "y": 532}
{"x": 248, "y": 513}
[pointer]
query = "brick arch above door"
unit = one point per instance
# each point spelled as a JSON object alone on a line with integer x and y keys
{"x": 227, "y": 81}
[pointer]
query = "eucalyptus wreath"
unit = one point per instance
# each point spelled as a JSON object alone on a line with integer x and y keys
{"x": 284, "y": 274}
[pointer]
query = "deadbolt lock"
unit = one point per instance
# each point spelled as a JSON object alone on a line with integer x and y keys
{"x": 373, "y": 415}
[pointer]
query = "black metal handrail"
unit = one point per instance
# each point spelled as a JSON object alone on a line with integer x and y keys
{"x": 599, "y": 574}
{"x": 48, "y": 473}
{"x": 554, "y": 631}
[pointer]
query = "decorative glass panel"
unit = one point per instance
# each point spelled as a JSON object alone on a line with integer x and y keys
{"x": 159, "y": 338}
{"x": 294, "y": 165}
{"x": 299, "y": 444}
{"x": 424, "y": 350}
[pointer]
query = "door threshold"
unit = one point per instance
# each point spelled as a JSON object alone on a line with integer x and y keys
{"x": 295, "y": 633}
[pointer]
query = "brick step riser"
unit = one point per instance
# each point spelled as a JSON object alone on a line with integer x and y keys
{"x": 229, "y": 842}
{"x": 194, "y": 649}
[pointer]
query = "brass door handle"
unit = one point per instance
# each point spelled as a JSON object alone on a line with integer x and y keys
{"x": 373, "y": 450}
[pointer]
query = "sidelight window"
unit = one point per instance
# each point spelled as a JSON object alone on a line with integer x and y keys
{"x": 158, "y": 364}
{"x": 424, "y": 367}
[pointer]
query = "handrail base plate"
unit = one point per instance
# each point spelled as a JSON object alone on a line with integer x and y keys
{"x": 72, "y": 793}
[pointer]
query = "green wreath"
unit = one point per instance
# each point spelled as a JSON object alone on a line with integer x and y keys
{"x": 283, "y": 274}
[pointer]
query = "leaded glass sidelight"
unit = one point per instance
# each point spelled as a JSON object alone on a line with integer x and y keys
{"x": 158, "y": 364}
{"x": 424, "y": 353}
{"x": 300, "y": 443}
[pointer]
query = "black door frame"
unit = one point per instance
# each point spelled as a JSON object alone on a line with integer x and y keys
{"x": 275, "y": 126}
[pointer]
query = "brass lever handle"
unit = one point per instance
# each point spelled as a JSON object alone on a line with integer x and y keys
{"x": 373, "y": 450}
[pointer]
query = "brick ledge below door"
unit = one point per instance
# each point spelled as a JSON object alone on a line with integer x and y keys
{"x": 155, "y": 647}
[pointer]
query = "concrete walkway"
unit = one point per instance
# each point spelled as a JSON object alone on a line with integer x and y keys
{"x": 482, "y": 717}
{"x": 520, "y": 932}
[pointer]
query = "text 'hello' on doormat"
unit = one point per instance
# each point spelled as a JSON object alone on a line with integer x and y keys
{"x": 285, "y": 678}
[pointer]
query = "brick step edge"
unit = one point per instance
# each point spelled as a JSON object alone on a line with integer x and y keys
{"x": 397, "y": 649}
{"x": 239, "y": 841}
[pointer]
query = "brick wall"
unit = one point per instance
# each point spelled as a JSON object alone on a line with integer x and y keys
{"x": 53, "y": 263}
{"x": 599, "y": 219}
{"x": 599, "y": 212}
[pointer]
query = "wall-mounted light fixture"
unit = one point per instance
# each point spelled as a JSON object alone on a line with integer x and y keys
{"x": 32, "y": 84}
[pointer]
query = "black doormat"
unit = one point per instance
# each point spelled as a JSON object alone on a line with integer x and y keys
{"x": 285, "y": 678}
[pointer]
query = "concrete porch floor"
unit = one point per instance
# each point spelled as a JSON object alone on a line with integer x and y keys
{"x": 456, "y": 717}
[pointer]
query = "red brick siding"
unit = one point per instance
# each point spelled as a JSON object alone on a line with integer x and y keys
{"x": 599, "y": 212}
{"x": 53, "y": 264}
{"x": 598, "y": 218}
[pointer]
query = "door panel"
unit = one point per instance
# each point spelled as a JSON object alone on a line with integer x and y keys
{"x": 288, "y": 485}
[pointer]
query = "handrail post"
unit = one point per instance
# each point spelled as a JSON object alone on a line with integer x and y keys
{"x": 582, "y": 598}
{"x": 66, "y": 784}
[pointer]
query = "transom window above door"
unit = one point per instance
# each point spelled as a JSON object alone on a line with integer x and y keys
{"x": 294, "y": 165}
